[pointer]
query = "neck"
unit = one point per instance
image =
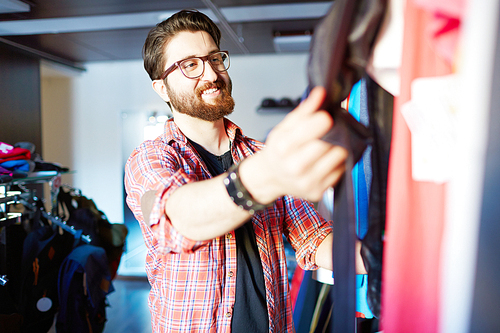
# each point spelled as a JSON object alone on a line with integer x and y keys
{"x": 211, "y": 135}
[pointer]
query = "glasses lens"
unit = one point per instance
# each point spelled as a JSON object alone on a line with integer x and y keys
{"x": 192, "y": 67}
{"x": 219, "y": 61}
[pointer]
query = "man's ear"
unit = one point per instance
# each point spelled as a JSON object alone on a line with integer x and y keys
{"x": 161, "y": 89}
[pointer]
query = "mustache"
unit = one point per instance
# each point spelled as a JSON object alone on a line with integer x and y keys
{"x": 219, "y": 84}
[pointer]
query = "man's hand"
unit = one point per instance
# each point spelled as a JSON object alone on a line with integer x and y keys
{"x": 296, "y": 161}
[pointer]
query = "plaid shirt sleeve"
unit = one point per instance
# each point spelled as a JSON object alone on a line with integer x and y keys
{"x": 154, "y": 166}
{"x": 305, "y": 230}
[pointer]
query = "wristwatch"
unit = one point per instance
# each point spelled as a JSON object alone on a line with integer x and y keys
{"x": 239, "y": 194}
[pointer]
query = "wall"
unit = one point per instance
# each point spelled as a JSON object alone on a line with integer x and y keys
{"x": 56, "y": 122}
{"x": 257, "y": 77}
{"x": 97, "y": 99}
{"x": 19, "y": 97}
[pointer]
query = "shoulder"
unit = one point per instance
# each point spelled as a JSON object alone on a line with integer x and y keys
{"x": 236, "y": 135}
{"x": 155, "y": 153}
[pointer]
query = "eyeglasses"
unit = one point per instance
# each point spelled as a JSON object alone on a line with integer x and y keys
{"x": 194, "y": 67}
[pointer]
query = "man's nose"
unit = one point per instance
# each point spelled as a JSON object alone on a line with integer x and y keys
{"x": 209, "y": 74}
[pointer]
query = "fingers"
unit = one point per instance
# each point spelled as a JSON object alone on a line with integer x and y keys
{"x": 332, "y": 178}
{"x": 331, "y": 164}
{"x": 306, "y": 122}
{"x": 297, "y": 160}
{"x": 313, "y": 101}
{"x": 324, "y": 169}
{"x": 313, "y": 127}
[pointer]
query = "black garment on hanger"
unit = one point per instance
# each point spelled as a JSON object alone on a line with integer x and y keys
{"x": 340, "y": 50}
{"x": 380, "y": 108}
{"x": 44, "y": 250}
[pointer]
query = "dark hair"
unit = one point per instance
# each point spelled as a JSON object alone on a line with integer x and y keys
{"x": 163, "y": 32}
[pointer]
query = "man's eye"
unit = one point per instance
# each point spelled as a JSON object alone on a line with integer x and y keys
{"x": 189, "y": 65}
{"x": 216, "y": 60}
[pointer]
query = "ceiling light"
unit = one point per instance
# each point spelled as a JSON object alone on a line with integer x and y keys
{"x": 292, "y": 42}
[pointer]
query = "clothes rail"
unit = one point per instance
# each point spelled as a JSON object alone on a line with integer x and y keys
{"x": 6, "y": 199}
{"x": 11, "y": 197}
{"x": 59, "y": 222}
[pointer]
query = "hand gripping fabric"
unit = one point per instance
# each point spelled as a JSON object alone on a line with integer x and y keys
{"x": 340, "y": 50}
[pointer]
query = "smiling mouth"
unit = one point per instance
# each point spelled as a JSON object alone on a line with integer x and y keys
{"x": 210, "y": 91}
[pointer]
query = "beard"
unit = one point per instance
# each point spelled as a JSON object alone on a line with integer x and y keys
{"x": 194, "y": 106}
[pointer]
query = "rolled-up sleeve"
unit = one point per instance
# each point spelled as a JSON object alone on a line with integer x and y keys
{"x": 155, "y": 166}
{"x": 305, "y": 230}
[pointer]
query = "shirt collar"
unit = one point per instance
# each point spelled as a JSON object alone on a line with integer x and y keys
{"x": 173, "y": 133}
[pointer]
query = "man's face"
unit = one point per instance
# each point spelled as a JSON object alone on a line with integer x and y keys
{"x": 207, "y": 97}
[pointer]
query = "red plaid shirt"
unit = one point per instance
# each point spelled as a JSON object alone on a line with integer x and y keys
{"x": 193, "y": 283}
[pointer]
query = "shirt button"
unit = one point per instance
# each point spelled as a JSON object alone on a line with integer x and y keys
{"x": 229, "y": 236}
{"x": 230, "y": 274}
{"x": 228, "y": 314}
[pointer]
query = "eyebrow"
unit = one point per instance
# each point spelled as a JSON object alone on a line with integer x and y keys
{"x": 196, "y": 56}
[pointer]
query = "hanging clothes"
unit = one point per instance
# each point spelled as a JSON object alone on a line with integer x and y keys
{"x": 415, "y": 209}
{"x": 44, "y": 250}
{"x": 361, "y": 179}
{"x": 361, "y": 173}
{"x": 340, "y": 50}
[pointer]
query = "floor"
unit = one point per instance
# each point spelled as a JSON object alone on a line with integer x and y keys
{"x": 128, "y": 310}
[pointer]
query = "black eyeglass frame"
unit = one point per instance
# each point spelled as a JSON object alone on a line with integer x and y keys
{"x": 203, "y": 59}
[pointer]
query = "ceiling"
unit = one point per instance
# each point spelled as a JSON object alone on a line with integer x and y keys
{"x": 73, "y": 32}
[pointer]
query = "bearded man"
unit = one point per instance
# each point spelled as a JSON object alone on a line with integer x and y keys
{"x": 213, "y": 204}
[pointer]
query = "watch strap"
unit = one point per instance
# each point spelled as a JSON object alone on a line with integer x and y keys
{"x": 239, "y": 194}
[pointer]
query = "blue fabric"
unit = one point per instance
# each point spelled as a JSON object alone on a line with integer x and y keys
{"x": 306, "y": 302}
{"x": 361, "y": 292}
{"x": 357, "y": 107}
{"x": 361, "y": 177}
{"x": 21, "y": 165}
{"x": 91, "y": 262}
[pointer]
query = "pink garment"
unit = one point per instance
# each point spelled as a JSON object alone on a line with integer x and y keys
{"x": 444, "y": 28}
{"x": 415, "y": 210}
{"x": 8, "y": 153}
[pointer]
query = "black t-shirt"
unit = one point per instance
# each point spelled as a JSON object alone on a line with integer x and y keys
{"x": 250, "y": 307}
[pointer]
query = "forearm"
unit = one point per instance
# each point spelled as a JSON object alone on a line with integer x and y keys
{"x": 324, "y": 255}
{"x": 203, "y": 210}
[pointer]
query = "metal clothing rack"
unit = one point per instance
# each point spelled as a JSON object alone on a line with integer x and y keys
{"x": 58, "y": 222}
{"x": 27, "y": 197}
{"x": 8, "y": 198}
